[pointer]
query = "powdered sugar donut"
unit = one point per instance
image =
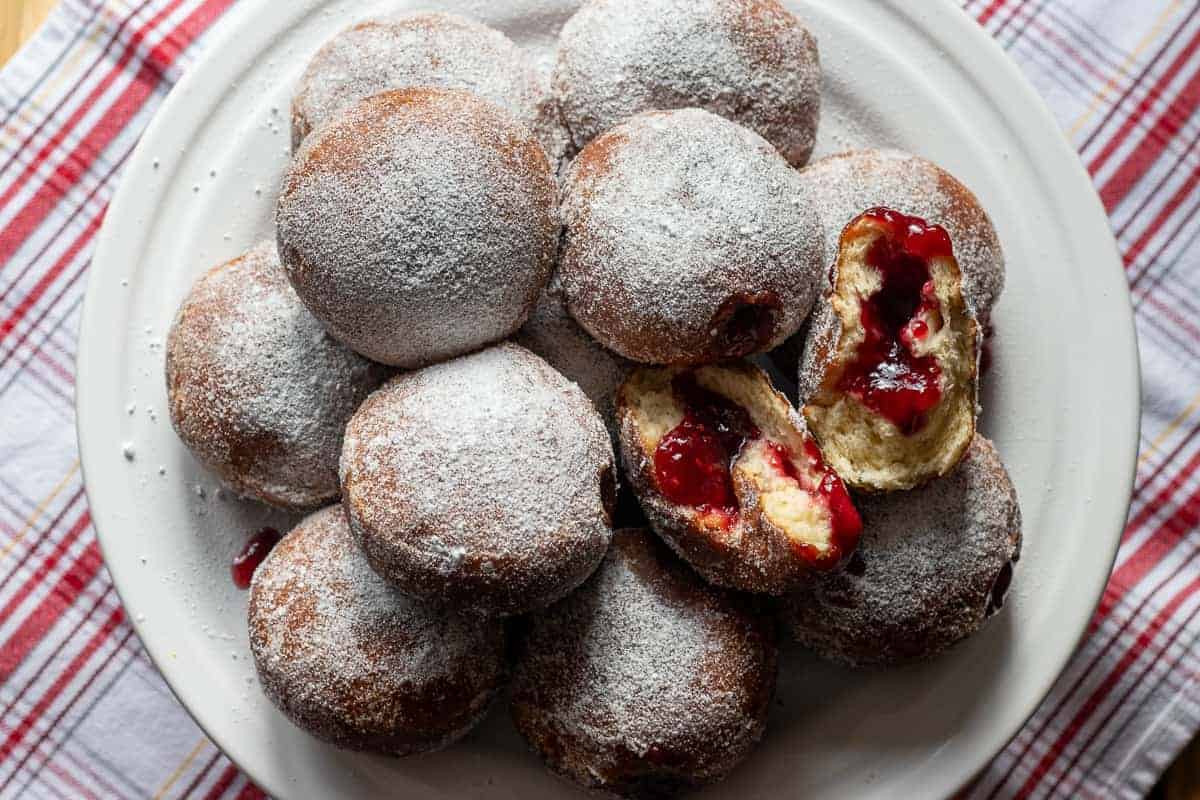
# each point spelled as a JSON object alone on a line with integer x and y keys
{"x": 845, "y": 185}
{"x": 425, "y": 49}
{"x": 932, "y": 565}
{"x": 419, "y": 224}
{"x": 353, "y": 661}
{"x": 485, "y": 482}
{"x": 553, "y": 334}
{"x": 647, "y": 680}
{"x": 750, "y": 61}
{"x": 688, "y": 240}
{"x": 256, "y": 389}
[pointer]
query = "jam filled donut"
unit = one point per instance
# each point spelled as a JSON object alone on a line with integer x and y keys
{"x": 438, "y": 50}
{"x": 890, "y": 364}
{"x": 256, "y": 389}
{"x": 728, "y": 477}
{"x": 485, "y": 482}
{"x": 647, "y": 681}
{"x": 353, "y": 661}
{"x": 750, "y": 61}
{"x": 419, "y": 224}
{"x": 553, "y": 334}
{"x": 688, "y": 240}
{"x": 932, "y": 565}
{"x": 845, "y": 185}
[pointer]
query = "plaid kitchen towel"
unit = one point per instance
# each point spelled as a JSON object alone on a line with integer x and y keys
{"x": 83, "y": 713}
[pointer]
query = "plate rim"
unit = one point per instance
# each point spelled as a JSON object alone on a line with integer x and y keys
{"x": 966, "y": 43}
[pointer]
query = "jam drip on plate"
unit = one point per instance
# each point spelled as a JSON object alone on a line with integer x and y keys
{"x": 245, "y": 562}
{"x": 886, "y": 375}
{"x": 844, "y": 520}
{"x": 693, "y": 460}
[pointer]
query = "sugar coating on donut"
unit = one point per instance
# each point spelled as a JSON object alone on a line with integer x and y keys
{"x": 431, "y": 49}
{"x": 647, "y": 679}
{"x": 687, "y": 240}
{"x": 255, "y": 387}
{"x": 419, "y": 224}
{"x": 846, "y": 184}
{"x": 486, "y": 482}
{"x": 750, "y": 61}
{"x": 552, "y": 333}
{"x": 727, "y": 475}
{"x": 932, "y": 565}
{"x": 888, "y": 374}
{"x": 353, "y": 661}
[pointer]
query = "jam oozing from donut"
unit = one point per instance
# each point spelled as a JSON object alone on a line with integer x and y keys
{"x": 886, "y": 375}
{"x": 844, "y": 520}
{"x": 693, "y": 464}
{"x": 693, "y": 460}
{"x": 247, "y": 561}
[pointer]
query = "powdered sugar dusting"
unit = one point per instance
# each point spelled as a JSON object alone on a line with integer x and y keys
{"x": 845, "y": 185}
{"x": 669, "y": 216}
{"x": 644, "y": 662}
{"x": 419, "y": 225}
{"x": 644, "y": 656}
{"x": 485, "y": 472}
{"x": 928, "y": 559}
{"x": 426, "y": 49}
{"x": 553, "y": 334}
{"x": 750, "y": 61}
{"x": 348, "y": 656}
{"x": 257, "y": 389}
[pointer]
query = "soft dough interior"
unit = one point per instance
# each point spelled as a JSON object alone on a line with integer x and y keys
{"x": 760, "y": 487}
{"x": 866, "y": 449}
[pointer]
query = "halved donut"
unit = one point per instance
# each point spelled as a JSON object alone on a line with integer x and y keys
{"x": 889, "y": 372}
{"x": 728, "y": 477}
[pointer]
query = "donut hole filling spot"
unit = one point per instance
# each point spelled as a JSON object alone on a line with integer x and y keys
{"x": 745, "y": 324}
{"x": 896, "y": 403}
{"x": 724, "y": 447}
{"x": 999, "y": 589}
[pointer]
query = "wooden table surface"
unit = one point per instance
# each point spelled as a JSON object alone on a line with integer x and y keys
{"x": 20, "y": 18}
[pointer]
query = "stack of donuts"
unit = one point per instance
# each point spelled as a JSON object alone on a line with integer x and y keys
{"x": 511, "y": 352}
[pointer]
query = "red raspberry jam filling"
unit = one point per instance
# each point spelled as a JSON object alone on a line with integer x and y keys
{"x": 886, "y": 376}
{"x": 245, "y": 562}
{"x": 693, "y": 463}
{"x": 693, "y": 460}
{"x": 845, "y": 522}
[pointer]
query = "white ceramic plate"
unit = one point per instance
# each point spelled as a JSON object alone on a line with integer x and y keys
{"x": 1061, "y": 403}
